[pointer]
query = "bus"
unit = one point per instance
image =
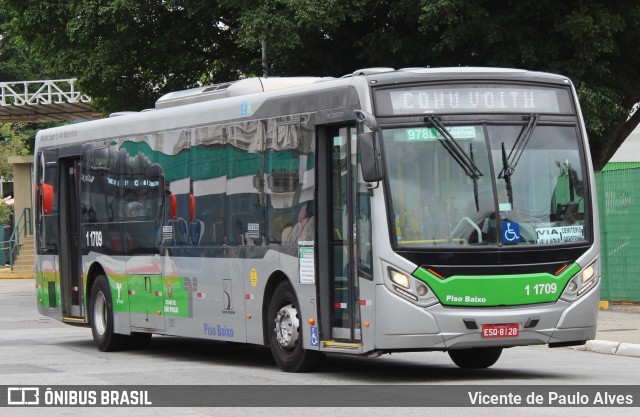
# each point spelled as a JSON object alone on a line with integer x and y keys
{"x": 420, "y": 209}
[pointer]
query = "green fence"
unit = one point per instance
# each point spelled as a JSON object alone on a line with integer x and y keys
{"x": 619, "y": 202}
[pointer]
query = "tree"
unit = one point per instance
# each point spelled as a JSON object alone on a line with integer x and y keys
{"x": 11, "y": 144}
{"x": 17, "y": 139}
{"x": 126, "y": 53}
{"x": 303, "y": 37}
{"x": 15, "y": 62}
{"x": 594, "y": 42}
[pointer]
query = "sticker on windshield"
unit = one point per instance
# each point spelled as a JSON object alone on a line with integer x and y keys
{"x": 550, "y": 235}
{"x": 430, "y": 133}
{"x": 510, "y": 232}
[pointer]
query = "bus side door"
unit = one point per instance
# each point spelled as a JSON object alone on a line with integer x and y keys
{"x": 337, "y": 232}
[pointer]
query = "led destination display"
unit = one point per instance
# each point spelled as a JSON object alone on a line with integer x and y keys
{"x": 472, "y": 98}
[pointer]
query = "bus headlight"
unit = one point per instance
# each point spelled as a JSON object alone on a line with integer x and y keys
{"x": 399, "y": 278}
{"x": 422, "y": 290}
{"x": 410, "y": 288}
{"x": 580, "y": 284}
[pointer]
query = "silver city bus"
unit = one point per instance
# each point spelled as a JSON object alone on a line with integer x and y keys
{"x": 447, "y": 209}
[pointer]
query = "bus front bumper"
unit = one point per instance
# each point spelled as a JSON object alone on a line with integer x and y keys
{"x": 406, "y": 326}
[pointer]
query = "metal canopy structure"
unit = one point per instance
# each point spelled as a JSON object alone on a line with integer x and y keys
{"x": 44, "y": 101}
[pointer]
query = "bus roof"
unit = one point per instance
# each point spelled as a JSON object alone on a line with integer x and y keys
{"x": 464, "y": 74}
{"x": 242, "y": 99}
{"x": 232, "y": 89}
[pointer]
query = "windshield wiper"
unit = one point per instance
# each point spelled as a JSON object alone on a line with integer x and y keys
{"x": 475, "y": 181}
{"x": 457, "y": 153}
{"x": 509, "y": 163}
{"x": 506, "y": 177}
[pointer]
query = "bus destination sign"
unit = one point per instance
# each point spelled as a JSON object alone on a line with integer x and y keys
{"x": 472, "y": 99}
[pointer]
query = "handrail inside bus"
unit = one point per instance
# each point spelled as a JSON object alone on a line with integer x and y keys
{"x": 472, "y": 223}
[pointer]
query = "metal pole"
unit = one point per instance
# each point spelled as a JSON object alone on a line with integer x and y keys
{"x": 265, "y": 67}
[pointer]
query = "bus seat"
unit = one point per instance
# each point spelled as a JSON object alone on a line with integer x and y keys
{"x": 196, "y": 232}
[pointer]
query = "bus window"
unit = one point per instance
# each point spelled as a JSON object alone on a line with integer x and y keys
{"x": 245, "y": 199}
{"x": 47, "y": 206}
{"x": 99, "y": 185}
{"x": 208, "y": 159}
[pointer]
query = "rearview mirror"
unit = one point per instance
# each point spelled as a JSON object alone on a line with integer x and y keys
{"x": 370, "y": 157}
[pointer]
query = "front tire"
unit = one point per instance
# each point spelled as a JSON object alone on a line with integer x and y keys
{"x": 285, "y": 336}
{"x": 101, "y": 318}
{"x": 475, "y": 358}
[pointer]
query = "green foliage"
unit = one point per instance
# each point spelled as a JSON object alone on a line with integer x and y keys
{"x": 126, "y": 53}
{"x": 594, "y": 42}
{"x": 5, "y": 214}
{"x": 17, "y": 139}
{"x": 12, "y": 143}
{"x": 290, "y": 26}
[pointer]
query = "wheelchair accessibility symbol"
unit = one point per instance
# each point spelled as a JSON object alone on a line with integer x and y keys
{"x": 314, "y": 336}
{"x": 510, "y": 232}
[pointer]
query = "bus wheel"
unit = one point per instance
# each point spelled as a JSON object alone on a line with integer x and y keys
{"x": 475, "y": 358}
{"x": 101, "y": 317}
{"x": 285, "y": 338}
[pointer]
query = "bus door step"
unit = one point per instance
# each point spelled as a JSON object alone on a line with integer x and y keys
{"x": 341, "y": 347}
{"x": 79, "y": 321}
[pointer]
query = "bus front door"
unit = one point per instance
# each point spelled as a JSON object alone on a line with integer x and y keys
{"x": 70, "y": 250}
{"x": 339, "y": 294}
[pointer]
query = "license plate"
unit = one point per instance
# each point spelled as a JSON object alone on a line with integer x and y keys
{"x": 500, "y": 330}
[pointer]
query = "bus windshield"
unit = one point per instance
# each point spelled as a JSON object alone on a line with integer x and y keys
{"x": 528, "y": 187}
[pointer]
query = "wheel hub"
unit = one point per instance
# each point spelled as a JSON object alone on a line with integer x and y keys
{"x": 287, "y": 325}
{"x": 99, "y": 314}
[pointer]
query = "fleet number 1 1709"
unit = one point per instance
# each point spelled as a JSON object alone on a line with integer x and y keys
{"x": 541, "y": 289}
{"x": 94, "y": 238}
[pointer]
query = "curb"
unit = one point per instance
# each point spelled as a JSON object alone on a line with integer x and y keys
{"x": 611, "y": 348}
{"x": 16, "y": 276}
{"x": 6, "y": 273}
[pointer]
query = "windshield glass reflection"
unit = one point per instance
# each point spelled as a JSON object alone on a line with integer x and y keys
{"x": 436, "y": 202}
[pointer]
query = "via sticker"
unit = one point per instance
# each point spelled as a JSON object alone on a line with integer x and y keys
{"x": 561, "y": 234}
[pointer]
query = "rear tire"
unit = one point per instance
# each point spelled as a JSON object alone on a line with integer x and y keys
{"x": 285, "y": 333}
{"x": 101, "y": 318}
{"x": 475, "y": 358}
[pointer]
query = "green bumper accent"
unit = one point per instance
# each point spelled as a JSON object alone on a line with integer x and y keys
{"x": 498, "y": 290}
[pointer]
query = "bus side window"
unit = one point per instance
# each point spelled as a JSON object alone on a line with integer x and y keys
{"x": 47, "y": 205}
{"x": 365, "y": 255}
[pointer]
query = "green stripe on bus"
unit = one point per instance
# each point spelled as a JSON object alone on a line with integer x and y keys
{"x": 498, "y": 290}
{"x": 136, "y": 295}
{"x": 48, "y": 281}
